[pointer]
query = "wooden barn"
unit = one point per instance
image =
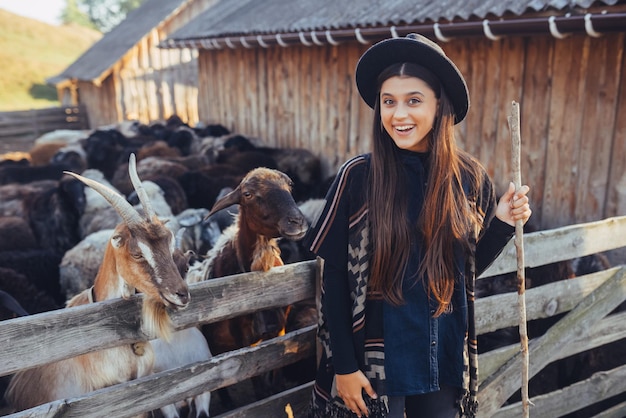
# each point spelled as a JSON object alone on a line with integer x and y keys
{"x": 126, "y": 76}
{"x": 283, "y": 71}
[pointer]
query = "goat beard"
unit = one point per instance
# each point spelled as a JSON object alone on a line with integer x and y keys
{"x": 156, "y": 322}
{"x": 266, "y": 254}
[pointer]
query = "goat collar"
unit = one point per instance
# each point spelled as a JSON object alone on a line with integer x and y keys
{"x": 139, "y": 348}
{"x": 91, "y": 295}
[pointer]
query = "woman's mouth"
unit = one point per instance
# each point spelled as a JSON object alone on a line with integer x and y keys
{"x": 404, "y": 128}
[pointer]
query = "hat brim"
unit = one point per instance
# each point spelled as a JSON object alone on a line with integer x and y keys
{"x": 400, "y": 50}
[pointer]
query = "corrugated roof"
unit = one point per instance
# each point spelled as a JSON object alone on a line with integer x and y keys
{"x": 245, "y": 17}
{"x": 101, "y": 57}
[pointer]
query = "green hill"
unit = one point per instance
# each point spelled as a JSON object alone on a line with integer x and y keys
{"x": 30, "y": 52}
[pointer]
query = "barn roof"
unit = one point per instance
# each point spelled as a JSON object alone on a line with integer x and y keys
{"x": 97, "y": 61}
{"x": 232, "y": 20}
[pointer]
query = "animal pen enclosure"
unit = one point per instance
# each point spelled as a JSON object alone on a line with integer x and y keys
{"x": 586, "y": 302}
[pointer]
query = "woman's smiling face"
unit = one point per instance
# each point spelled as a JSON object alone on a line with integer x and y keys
{"x": 407, "y": 110}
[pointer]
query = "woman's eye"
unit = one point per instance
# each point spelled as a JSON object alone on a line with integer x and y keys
{"x": 387, "y": 102}
{"x": 414, "y": 101}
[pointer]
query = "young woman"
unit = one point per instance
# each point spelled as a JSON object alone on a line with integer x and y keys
{"x": 405, "y": 230}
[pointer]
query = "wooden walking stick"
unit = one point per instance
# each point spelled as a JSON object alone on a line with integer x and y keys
{"x": 514, "y": 122}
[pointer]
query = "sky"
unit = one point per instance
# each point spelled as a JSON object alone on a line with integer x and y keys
{"x": 45, "y": 10}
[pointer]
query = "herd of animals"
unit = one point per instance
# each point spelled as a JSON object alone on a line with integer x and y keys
{"x": 163, "y": 206}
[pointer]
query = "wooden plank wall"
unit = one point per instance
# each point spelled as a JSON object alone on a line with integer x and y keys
{"x": 571, "y": 92}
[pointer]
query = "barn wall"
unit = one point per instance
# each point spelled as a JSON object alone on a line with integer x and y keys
{"x": 571, "y": 92}
{"x": 150, "y": 83}
{"x": 99, "y": 102}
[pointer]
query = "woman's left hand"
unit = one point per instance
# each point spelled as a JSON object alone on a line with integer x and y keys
{"x": 514, "y": 206}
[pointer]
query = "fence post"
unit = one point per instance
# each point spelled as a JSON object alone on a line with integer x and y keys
{"x": 319, "y": 269}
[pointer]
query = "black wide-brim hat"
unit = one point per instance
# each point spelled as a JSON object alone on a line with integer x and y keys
{"x": 415, "y": 49}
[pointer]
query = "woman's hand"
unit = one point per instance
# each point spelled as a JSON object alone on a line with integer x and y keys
{"x": 514, "y": 206}
{"x": 349, "y": 388}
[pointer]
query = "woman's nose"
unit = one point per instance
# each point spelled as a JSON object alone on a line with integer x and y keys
{"x": 400, "y": 111}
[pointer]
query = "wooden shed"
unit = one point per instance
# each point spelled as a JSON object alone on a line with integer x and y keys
{"x": 283, "y": 71}
{"x": 126, "y": 76}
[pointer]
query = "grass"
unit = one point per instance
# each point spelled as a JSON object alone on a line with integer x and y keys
{"x": 32, "y": 51}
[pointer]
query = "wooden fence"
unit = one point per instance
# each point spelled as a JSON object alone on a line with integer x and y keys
{"x": 586, "y": 302}
{"x": 19, "y": 129}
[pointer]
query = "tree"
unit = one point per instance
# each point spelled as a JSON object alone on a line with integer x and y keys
{"x": 73, "y": 14}
{"x": 104, "y": 15}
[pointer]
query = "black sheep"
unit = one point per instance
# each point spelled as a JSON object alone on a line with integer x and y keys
{"x": 16, "y": 235}
{"x": 27, "y": 174}
{"x": 54, "y": 215}
{"x": 212, "y": 130}
{"x": 28, "y": 295}
{"x": 202, "y": 190}
{"x": 104, "y": 149}
{"x": 41, "y": 268}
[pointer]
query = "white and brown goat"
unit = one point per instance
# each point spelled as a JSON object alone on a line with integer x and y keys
{"x": 139, "y": 257}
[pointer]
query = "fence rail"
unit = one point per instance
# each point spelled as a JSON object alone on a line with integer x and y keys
{"x": 19, "y": 129}
{"x": 585, "y": 301}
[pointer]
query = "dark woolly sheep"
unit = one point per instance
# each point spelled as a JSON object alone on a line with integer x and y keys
{"x": 216, "y": 170}
{"x": 194, "y": 162}
{"x": 72, "y": 155}
{"x": 28, "y": 295}
{"x": 12, "y": 196}
{"x": 212, "y": 130}
{"x": 173, "y": 192}
{"x": 16, "y": 235}
{"x": 41, "y": 268}
{"x": 590, "y": 264}
{"x": 202, "y": 190}
{"x": 147, "y": 168}
{"x": 182, "y": 139}
{"x": 9, "y": 307}
{"x": 156, "y": 130}
{"x": 23, "y": 175}
{"x": 301, "y": 165}
{"x": 174, "y": 121}
{"x": 54, "y": 215}
{"x": 159, "y": 149}
{"x": 245, "y": 161}
{"x": 104, "y": 150}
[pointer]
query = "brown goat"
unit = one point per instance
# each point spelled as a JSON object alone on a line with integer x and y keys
{"x": 267, "y": 211}
{"x": 138, "y": 258}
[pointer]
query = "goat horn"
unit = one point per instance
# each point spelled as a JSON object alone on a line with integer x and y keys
{"x": 125, "y": 209}
{"x": 141, "y": 192}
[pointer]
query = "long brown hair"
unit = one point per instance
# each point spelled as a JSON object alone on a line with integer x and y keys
{"x": 446, "y": 218}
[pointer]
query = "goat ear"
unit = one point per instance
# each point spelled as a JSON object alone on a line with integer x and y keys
{"x": 231, "y": 198}
{"x": 117, "y": 241}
